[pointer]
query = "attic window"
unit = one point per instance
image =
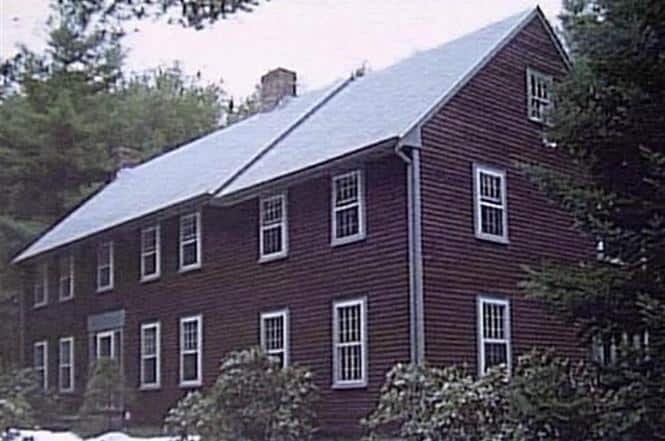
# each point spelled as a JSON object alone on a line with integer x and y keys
{"x": 539, "y": 95}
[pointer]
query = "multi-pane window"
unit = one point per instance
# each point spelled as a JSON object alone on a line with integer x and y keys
{"x": 607, "y": 351}
{"x": 348, "y": 217}
{"x": 150, "y": 253}
{"x": 104, "y": 266}
{"x": 539, "y": 93}
{"x": 490, "y": 204}
{"x": 66, "y": 280}
{"x": 40, "y": 287}
{"x": 190, "y": 241}
{"x": 66, "y": 365}
{"x": 494, "y": 333}
{"x": 150, "y": 355}
{"x": 40, "y": 362}
{"x": 106, "y": 345}
{"x": 275, "y": 335}
{"x": 273, "y": 227}
{"x": 349, "y": 343}
{"x": 191, "y": 339}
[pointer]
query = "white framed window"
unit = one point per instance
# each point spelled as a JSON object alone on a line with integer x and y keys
{"x": 606, "y": 351}
{"x": 275, "y": 335}
{"x": 105, "y": 266}
{"x": 539, "y": 96}
{"x": 66, "y": 278}
{"x": 493, "y": 333}
{"x": 191, "y": 346}
{"x": 40, "y": 286}
{"x": 40, "y": 362}
{"x": 106, "y": 345}
{"x": 150, "y": 253}
{"x": 273, "y": 228}
{"x": 150, "y": 355}
{"x": 350, "y": 343}
{"x": 190, "y": 241}
{"x": 66, "y": 364}
{"x": 348, "y": 210}
{"x": 491, "y": 217}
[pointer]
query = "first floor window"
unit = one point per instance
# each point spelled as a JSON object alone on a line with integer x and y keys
{"x": 490, "y": 203}
{"x": 275, "y": 335}
{"x": 150, "y": 253}
{"x": 350, "y": 343}
{"x": 273, "y": 227}
{"x": 150, "y": 355}
{"x": 190, "y": 241}
{"x": 40, "y": 362}
{"x": 348, "y": 217}
{"x": 66, "y": 281}
{"x": 494, "y": 333}
{"x": 66, "y": 364}
{"x": 105, "y": 266}
{"x": 40, "y": 286}
{"x": 191, "y": 339}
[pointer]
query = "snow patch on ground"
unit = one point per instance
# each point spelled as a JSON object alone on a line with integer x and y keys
{"x": 45, "y": 435}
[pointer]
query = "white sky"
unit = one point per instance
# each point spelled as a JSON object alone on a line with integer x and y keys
{"x": 321, "y": 40}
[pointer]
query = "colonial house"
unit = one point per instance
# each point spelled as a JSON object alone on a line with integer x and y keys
{"x": 383, "y": 219}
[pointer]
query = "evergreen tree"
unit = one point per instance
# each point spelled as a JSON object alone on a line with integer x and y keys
{"x": 610, "y": 120}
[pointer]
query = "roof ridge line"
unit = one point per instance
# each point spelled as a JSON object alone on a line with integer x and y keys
{"x": 277, "y": 139}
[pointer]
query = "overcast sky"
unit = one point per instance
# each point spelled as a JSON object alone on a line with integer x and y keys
{"x": 321, "y": 40}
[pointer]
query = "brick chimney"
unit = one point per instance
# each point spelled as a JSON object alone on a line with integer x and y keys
{"x": 275, "y": 85}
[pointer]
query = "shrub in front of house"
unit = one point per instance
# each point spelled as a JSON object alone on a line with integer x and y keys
{"x": 254, "y": 398}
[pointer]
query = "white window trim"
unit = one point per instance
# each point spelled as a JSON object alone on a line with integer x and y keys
{"x": 483, "y": 300}
{"x": 101, "y": 335}
{"x": 350, "y": 384}
{"x": 70, "y": 267}
{"x": 197, "y": 239}
{"x": 158, "y": 356}
{"x": 104, "y": 288}
{"x": 529, "y": 93}
{"x": 43, "y": 344}
{"x": 477, "y": 171}
{"x": 158, "y": 254}
{"x": 284, "y": 226}
{"x": 335, "y": 241}
{"x": 284, "y": 314}
{"x": 199, "y": 375}
{"x": 70, "y": 364}
{"x": 43, "y": 274}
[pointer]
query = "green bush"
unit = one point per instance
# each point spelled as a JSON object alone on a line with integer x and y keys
{"x": 253, "y": 399}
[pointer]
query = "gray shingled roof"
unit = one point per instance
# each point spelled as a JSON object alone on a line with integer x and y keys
{"x": 302, "y": 132}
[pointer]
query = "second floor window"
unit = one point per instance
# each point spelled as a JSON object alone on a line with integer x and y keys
{"x": 150, "y": 253}
{"x": 66, "y": 281}
{"x": 275, "y": 335}
{"x": 150, "y": 355}
{"x": 494, "y": 333}
{"x": 191, "y": 342}
{"x": 349, "y": 343}
{"x": 539, "y": 95}
{"x": 190, "y": 241}
{"x": 66, "y": 364}
{"x": 40, "y": 362}
{"x": 273, "y": 229}
{"x": 490, "y": 204}
{"x": 348, "y": 216}
{"x": 104, "y": 266}
{"x": 40, "y": 286}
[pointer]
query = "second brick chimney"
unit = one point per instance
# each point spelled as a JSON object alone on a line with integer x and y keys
{"x": 275, "y": 85}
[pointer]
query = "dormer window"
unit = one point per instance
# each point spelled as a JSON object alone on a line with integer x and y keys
{"x": 348, "y": 211}
{"x": 273, "y": 234}
{"x": 66, "y": 281}
{"x": 105, "y": 266}
{"x": 190, "y": 241}
{"x": 539, "y": 95}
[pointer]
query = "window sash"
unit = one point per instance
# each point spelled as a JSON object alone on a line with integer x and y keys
{"x": 66, "y": 282}
{"x": 40, "y": 287}
{"x": 104, "y": 264}
{"x": 66, "y": 365}
{"x": 110, "y": 336}
{"x": 198, "y": 320}
{"x": 187, "y": 239}
{"x": 40, "y": 361}
{"x": 283, "y": 349}
{"x": 153, "y": 251}
{"x": 539, "y": 95}
{"x": 274, "y": 224}
{"x": 354, "y": 204}
{"x": 489, "y": 327}
{"x": 150, "y": 356}
{"x": 350, "y": 357}
{"x": 483, "y": 203}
